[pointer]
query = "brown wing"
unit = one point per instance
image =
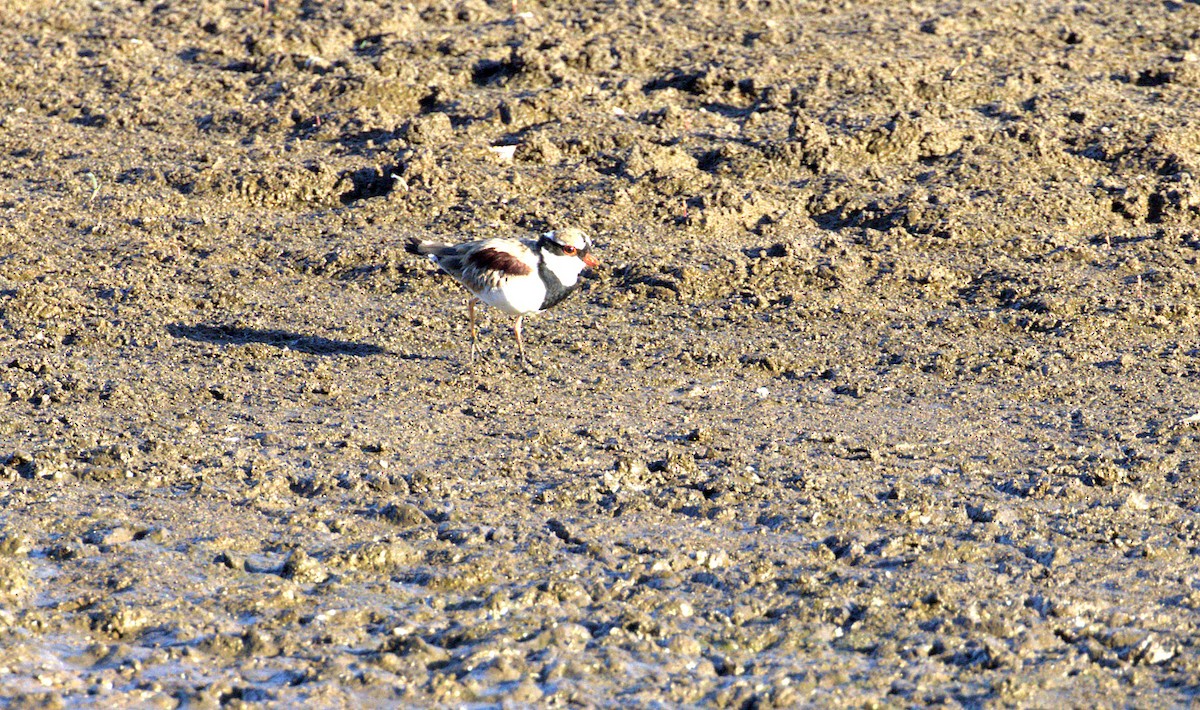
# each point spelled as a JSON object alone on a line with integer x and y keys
{"x": 481, "y": 265}
{"x": 492, "y": 259}
{"x": 488, "y": 264}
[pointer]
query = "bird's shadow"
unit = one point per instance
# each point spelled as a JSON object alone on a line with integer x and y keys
{"x": 234, "y": 335}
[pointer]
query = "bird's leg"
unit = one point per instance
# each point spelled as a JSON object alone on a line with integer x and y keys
{"x": 471, "y": 313}
{"x": 520, "y": 343}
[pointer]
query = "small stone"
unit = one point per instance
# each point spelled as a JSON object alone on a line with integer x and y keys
{"x": 1052, "y": 557}
{"x": 69, "y": 550}
{"x": 979, "y": 514}
{"x": 527, "y": 692}
{"x": 115, "y": 536}
{"x": 680, "y": 464}
{"x": 15, "y": 545}
{"x": 1136, "y": 501}
{"x": 428, "y": 129}
{"x": 124, "y": 621}
{"x": 564, "y": 532}
{"x": 1125, "y": 637}
{"x": 1005, "y": 517}
{"x": 14, "y": 582}
{"x": 940, "y": 26}
{"x": 260, "y": 643}
{"x": 232, "y": 560}
{"x": 416, "y": 648}
{"x": 268, "y": 438}
{"x": 684, "y": 645}
{"x": 568, "y": 636}
{"x": 628, "y": 466}
{"x": 712, "y": 560}
{"x": 1154, "y": 652}
{"x": 301, "y": 568}
{"x": 504, "y": 153}
{"x": 155, "y": 535}
{"x": 404, "y": 515}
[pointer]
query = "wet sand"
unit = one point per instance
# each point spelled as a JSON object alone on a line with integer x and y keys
{"x": 885, "y": 393}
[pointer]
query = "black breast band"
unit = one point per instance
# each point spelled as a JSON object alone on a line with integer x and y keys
{"x": 555, "y": 291}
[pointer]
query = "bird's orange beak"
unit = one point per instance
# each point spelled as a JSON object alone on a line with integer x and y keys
{"x": 591, "y": 261}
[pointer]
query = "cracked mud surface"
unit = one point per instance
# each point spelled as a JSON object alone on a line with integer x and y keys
{"x": 885, "y": 393}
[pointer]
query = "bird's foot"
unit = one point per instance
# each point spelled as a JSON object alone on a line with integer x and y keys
{"x": 529, "y": 366}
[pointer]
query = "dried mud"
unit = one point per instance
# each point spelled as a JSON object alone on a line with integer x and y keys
{"x": 884, "y": 395}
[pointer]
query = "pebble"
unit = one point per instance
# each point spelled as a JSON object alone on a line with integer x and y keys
{"x": 404, "y": 515}
{"x": 112, "y": 536}
{"x": 15, "y": 545}
{"x": 301, "y": 568}
{"x": 1136, "y": 501}
{"x": 627, "y": 466}
{"x": 232, "y": 560}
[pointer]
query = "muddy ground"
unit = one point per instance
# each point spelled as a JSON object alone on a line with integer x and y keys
{"x": 884, "y": 395}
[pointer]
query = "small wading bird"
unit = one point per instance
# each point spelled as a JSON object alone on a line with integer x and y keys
{"x": 518, "y": 276}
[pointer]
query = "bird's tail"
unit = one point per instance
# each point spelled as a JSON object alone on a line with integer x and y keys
{"x": 423, "y": 248}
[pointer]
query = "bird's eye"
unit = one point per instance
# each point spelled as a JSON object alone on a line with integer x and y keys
{"x": 569, "y": 251}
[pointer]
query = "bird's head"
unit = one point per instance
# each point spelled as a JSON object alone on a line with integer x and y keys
{"x": 570, "y": 243}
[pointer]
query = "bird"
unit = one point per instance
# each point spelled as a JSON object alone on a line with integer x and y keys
{"x": 517, "y": 276}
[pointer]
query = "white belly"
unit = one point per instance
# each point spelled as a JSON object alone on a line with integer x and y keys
{"x": 516, "y": 296}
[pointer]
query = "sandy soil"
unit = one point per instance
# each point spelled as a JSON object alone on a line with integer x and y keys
{"x": 885, "y": 394}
